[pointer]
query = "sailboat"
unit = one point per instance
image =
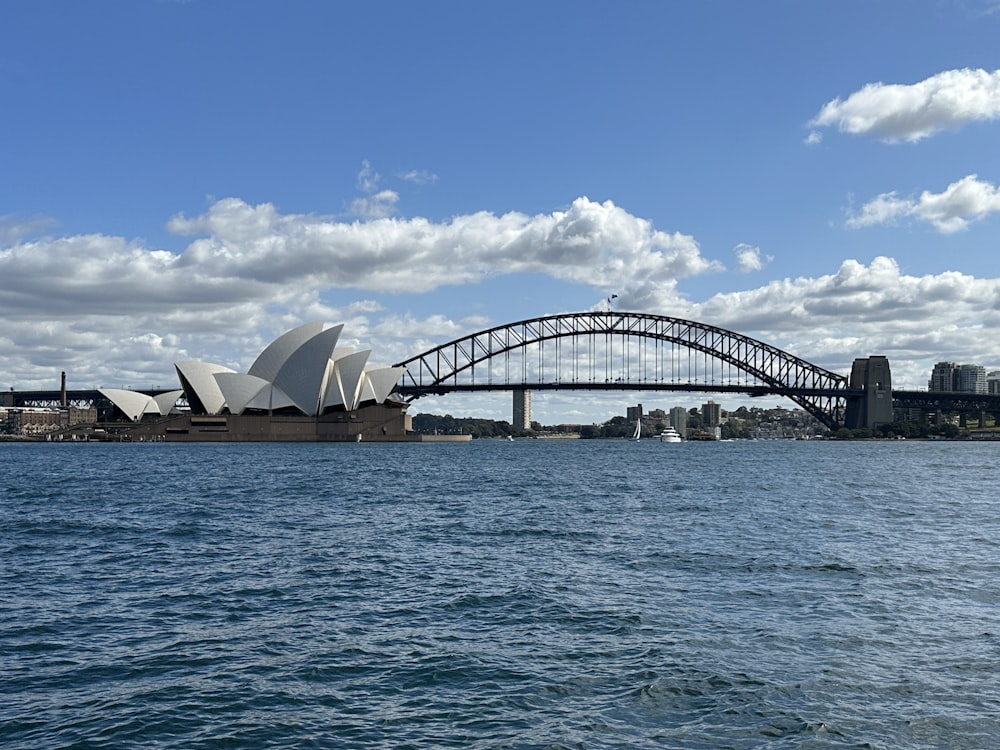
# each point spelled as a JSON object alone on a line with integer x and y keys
{"x": 638, "y": 430}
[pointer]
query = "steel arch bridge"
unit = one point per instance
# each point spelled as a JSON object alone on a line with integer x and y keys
{"x": 624, "y": 351}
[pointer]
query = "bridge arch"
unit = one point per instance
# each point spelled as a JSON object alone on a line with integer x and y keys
{"x": 623, "y": 351}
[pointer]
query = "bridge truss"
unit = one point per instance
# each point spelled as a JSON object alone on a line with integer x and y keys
{"x": 623, "y": 351}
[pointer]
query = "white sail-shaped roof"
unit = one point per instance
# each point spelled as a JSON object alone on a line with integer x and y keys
{"x": 269, "y": 362}
{"x": 199, "y": 377}
{"x": 303, "y": 376}
{"x": 165, "y": 402}
{"x": 379, "y": 382}
{"x": 270, "y": 398}
{"x": 131, "y": 403}
{"x": 301, "y": 369}
{"x": 341, "y": 351}
{"x": 239, "y": 389}
{"x": 334, "y": 395}
{"x": 345, "y": 383}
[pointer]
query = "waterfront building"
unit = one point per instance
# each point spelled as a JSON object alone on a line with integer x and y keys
{"x": 302, "y": 387}
{"x": 25, "y": 421}
{"x": 29, "y": 421}
{"x": 972, "y": 379}
{"x": 943, "y": 377}
{"x": 633, "y": 414}
{"x": 679, "y": 420}
{"x": 993, "y": 382}
{"x": 951, "y": 376}
{"x": 711, "y": 414}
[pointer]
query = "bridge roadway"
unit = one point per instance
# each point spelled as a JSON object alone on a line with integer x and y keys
{"x": 902, "y": 399}
{"x": 947, "y": 401}
{"x": 754, "y": 391}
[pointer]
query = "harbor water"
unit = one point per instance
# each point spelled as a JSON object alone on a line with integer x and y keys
{"x": 527, "y": 594}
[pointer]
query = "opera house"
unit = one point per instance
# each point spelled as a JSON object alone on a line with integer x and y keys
{"x": 302, "y": 387}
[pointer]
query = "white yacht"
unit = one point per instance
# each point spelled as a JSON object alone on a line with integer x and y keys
{"x": 669, "y": 435}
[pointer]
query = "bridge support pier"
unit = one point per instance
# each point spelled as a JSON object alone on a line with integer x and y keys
{"x": 874, "y": 407}
{"x": 522, "y": 409}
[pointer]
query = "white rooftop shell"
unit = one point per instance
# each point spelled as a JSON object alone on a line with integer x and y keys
{"x": 346, "y": 379}
{"x": 269, "y": 362}
{"x": 303, "y": 376}
{"x": 135, "y": 405}
{"x": 200, "y": 376}
{"x": 302, "y": 368}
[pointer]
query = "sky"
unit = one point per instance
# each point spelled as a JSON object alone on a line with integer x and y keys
{"x": 189, "y": 179}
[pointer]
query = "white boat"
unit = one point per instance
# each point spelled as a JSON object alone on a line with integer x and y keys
{"x": 638, "y": 430}
{"x": 670, "y": 435}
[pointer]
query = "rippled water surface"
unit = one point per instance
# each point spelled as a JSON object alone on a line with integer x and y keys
{"x": 579, "y": 594}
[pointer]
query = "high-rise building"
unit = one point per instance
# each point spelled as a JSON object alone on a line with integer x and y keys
{"x": 943, "y": 377}
{"x": 950, "y": 376}
{"x": 711, "y": 414}
{"x": 993, "y": 382}
{"x": 633, "y": 413}
{"x": 679, "y": 419}
{"x": 522, "y": 410}
{"x": 971, "y": 379}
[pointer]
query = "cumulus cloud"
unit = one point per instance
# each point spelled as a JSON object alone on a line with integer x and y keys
{"x": 969, "y": 199}
{"x": 592, "y": 243}
{"x": 912, "y": 112}
{"x": 869, "y": 309}
{"x": 748, "y": 258}
{"x": 250, "y": 271}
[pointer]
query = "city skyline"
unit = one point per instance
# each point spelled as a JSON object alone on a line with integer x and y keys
{"x": 185, "y": 180}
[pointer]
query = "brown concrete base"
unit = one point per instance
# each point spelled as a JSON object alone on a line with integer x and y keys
{"x": 377, "y": 423}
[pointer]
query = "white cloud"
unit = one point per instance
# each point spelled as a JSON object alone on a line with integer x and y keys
{"x": 748, "y": 258}
{"x": 598, "y": 244}
{"x": 969, "y": 199}
{"x": 900, "y": 112}
{"x": 250, "y": 272}
{"x": 13, "y": 229}
{"x": 376, "y": 203}
{"x": 873, "y": 309}
{"x": 418, "y": 177}
{"x": 381, "y": 205}
{"x": 368, "y": 178}
{"x": 127, "y": 313}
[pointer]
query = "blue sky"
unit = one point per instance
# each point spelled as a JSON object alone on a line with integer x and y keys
{"x": 186, "y": 180}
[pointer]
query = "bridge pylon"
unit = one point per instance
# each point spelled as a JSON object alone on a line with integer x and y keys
{"x": 522, "y": 409}
{"x": 874, "y": 406}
